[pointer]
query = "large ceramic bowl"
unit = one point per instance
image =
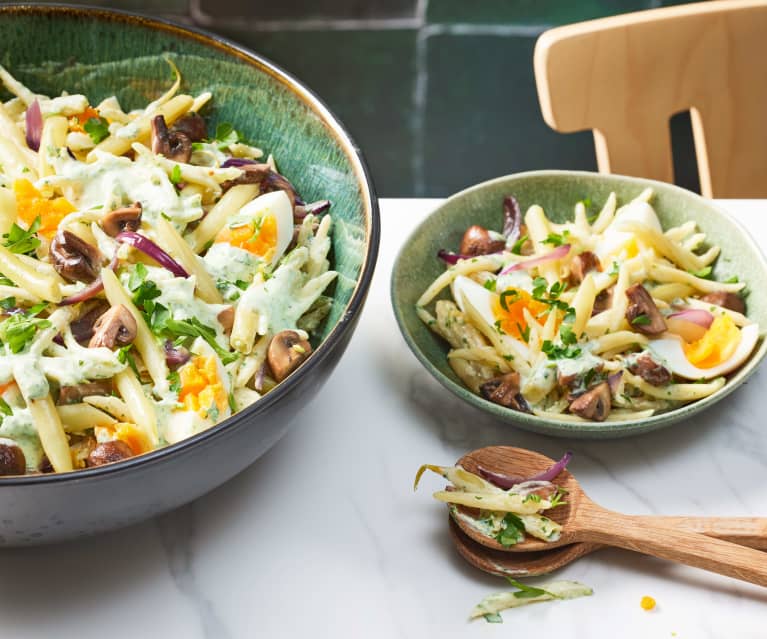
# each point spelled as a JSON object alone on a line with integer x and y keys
{"x": 558, "y": 191}
{"x": 101, "y": 53}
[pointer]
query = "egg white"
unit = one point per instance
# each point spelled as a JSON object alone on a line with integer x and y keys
{"x": 275, "y": 204}
{"x": 467, "y": 291}
{"x": 613, "y": 240}
{"x": 671, "y": 353}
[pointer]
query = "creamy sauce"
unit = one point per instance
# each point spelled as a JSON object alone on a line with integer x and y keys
{"x": 20, "y": 428}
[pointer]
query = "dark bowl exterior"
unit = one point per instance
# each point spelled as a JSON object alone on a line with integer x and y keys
{"x": 40, "y": 509}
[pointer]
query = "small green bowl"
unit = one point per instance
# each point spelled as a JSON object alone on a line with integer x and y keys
{"x": 557, "y": 192}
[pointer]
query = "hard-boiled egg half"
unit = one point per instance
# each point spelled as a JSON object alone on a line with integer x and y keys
{"x": 203, "y": 394}
{"x": 722, "y": 348}
{"x": 615, "y": 243}
{"x": 258, "y": 234}
{"x": 504, "y": 310}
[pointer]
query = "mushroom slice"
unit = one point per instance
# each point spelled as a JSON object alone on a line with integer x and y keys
{"x": 116, "y": 327}
{"x": 642, "y": 313}
{"x": 192, "y": 125}
{"x": 75, "y": 394}
{"x": 733, "y": 301}
{"x": 505, "y": 390}
{"x": 603, "y": 301}
{"x": 650, "y": 371}
{"x": 109, "y": 452}
{"x": 477, "y": 241}
{"x": 582, "y": 264}
{"x": 174, "y": 145}
{"x": 74, "y": 259}
{"x": 286, "y": 352}
{"x": 262, "y": 174}
{"x": 126, "y": 218}
{"x": 12, "y": 460}
{"x": 226, "y": 319}
{"x": 593, "y": 404}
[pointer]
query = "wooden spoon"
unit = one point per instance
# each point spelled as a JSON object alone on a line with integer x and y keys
{"x": 668, "y": 538}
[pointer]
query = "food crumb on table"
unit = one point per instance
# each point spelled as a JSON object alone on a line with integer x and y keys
{"x": 647, "y": 603}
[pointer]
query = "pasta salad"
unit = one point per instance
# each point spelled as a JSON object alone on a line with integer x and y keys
{"x": 154, "y": 278}
{"x": 606, "y": 317}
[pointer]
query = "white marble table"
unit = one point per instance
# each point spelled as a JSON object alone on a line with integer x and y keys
{"x": 324, "y": 537}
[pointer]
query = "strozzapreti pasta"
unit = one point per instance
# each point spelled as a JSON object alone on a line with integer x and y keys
{"x": 155, "y": 277}
{"x": 606, "y": 317}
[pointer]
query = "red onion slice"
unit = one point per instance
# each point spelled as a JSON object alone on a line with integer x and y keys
{"x": 512, "y": 219}
{"x": 34, "y": 122}
{"x": 237, "y": 162}
{"x": 148, "y": 247}
{"x": 175, "y": 356}
{"x": 508, "y": 481}
{"x": 613, "y": 380}
{"x": 695, "y": 315}
{"x": 93, "y": 289}
{"x": 557, "y": 254}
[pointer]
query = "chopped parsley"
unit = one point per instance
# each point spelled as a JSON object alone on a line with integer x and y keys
{"x": 20, "y": 329}
{"x": 641, "y": 320}
{"x": 524, "y": 333}
{"x": 175, "y": 382}
{"x": 513, "y": 532}
{"x": 21, "y": 241}
{"x": 490, "y": 285}
{"x": 732, "y": 280}
{"x": 8, "y": 303}
{"x": 195, "y": 328}
{"x": 704, "y": 273}
{"x": 97, "y": 129}
{"x": 555, "y": 351}
{"x": 528, "y": 592}
{"x": 226, "y": 134}
{"x": 517, "y": 248}
{"x": 557, "y": 240}
{"x": 513, "y": 294}
{"x": 4, "y": 281}
{"x": 5, "y": 409}
{"x": 175, "y": 175}
{"x": 615, "y": 269}
{"x": 124, "y": 356}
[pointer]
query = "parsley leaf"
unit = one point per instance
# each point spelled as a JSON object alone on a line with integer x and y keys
{"x": 513, "y": 532}
{"x": 641, "y": 320}
{"x": 20, "y": 329}
{"x": 175, "y": 382}
{"x": 524, "y": 333}
{"x": 557, "y": 240}
{"x": 489, "y": 285}
{"x": 554, "y": 351}
{"x": 5, "y": 409}
{"x": 97, "y": 128}
{"x": 513, "y": 294}
{"x": 124, "y": 356}
{"x": 528, "y": 592}
{"x": 517, "y": 248}
{"x": 4, "y": 281}
{"x": 226, "y": 134}
{"x": 8, "y": 303}
{"x": 704, "y": 273}
{"x": 194, "y": 328}
{"x": 18, "y": 240}
{"x": 732, "y": 280}
{"x": 175, "y": 175}
{"x": 615, "y": 269}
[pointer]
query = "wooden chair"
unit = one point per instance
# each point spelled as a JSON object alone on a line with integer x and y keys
{"x": 625, "y": 76}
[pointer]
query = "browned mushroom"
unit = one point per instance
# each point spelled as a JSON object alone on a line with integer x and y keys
{"x": 75, "y": 393}
{"x": 74, "y": 259}
{"x": 603, "y": 301}
{"x": 286, "y": 351}
{"x": 593, "y": 404}
{"x": 174, "y": 145}
{"x": 477, "y": 241}
{"x": 269, "y": 180}
{"x": 80, "y": 449}
{"x": 226, "y": 319}
{"x": 91, "y": 310}
{"x": 192, "y": 125}
{"x": 12, "y": 460}
{"x": 505, "y": 390}
{"x": 582, "y": 264}
{"x": 574, "y": 380}
{"x": 642, "y": 313}
{"x": 109, "y": 452}
{"x": 116, "y": 327}
{"x": 733, "y": 301}
{"x": 649, "y": 370}
{"x": 126, "y": 218}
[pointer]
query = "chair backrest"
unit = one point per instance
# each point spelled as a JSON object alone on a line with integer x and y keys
{"x": 625, "y": 76}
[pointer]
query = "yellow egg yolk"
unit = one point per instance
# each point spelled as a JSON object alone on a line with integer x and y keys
{"x": 257, "y": 237}
{"x": 31, "y": 204}
{"x": 201, "y": 387}
{"x": 508, "y": 310}
{"x": 716, "y": 346}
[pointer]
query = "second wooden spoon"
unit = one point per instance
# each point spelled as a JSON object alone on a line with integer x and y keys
{"x": 584, "y": 521}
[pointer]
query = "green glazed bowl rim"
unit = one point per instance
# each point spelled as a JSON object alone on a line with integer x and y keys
{"x": 562, "y": 428}
{"x": 369, "y": 202}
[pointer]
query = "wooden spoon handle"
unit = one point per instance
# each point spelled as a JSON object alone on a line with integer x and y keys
{"x": 642, "y": 534}
{"x": 745, "y": 531}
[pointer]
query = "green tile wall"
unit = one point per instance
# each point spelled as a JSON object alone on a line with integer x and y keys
{"x": 438, "y": 93}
